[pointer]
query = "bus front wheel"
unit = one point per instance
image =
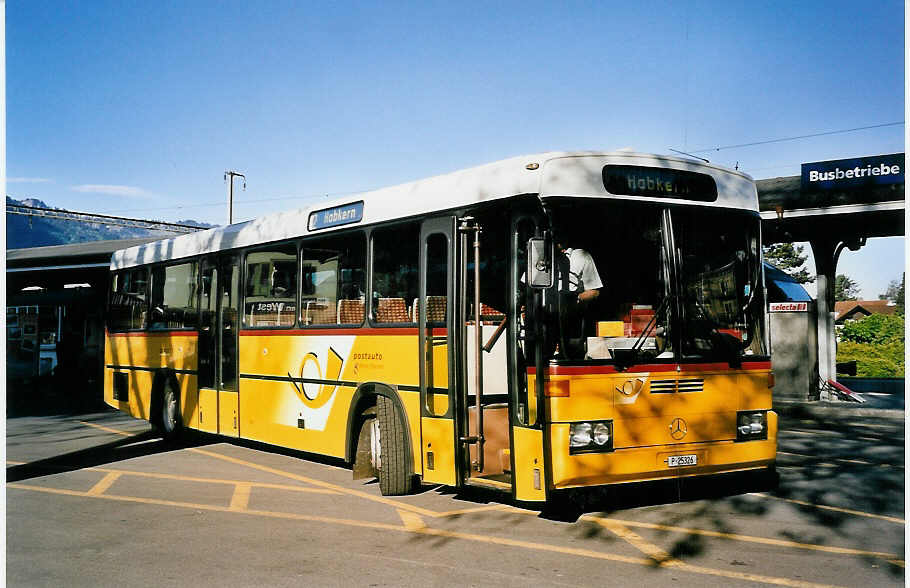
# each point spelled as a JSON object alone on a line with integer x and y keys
{"x": 394, "y": 477}
{"x": 171, "y": 424}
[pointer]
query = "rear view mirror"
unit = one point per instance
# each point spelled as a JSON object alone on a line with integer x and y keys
{"x": 540, "y": 263}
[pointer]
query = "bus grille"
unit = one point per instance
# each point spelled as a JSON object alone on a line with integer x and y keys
{"x": 674, "y": 386}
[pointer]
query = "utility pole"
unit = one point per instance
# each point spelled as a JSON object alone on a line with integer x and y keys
{"x": 232, "y": 175}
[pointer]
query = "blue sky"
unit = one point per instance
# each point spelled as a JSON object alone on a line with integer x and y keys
{"x": 138, "y": 108}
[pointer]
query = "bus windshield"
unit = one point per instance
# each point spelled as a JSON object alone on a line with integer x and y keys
{"x": 672, "y": 282}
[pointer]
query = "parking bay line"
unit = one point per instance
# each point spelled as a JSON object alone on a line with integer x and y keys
{"x": 891, "y": 557}
{"x": 661, "y": 558}
{"x": 415, "y": 528}
{"x": 858, "y": 513}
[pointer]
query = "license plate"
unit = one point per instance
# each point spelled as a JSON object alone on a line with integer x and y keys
{"x": 675, "y": 461}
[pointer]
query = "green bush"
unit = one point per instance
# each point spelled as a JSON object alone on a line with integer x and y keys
{"x": 876, "y": 343}
{"x": 875, "y": 328}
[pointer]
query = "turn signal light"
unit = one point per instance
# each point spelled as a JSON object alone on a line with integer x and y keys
{"x": 557, "y": 388}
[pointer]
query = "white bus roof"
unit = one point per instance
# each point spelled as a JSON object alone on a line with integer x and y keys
{"x": 576, "y": 174}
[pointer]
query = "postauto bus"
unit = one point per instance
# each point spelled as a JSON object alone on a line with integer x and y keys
{"x": 424, "y": 333}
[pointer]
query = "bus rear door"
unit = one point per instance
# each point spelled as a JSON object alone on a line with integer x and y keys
{"x": 437, "y": 346}
{"x": 218, "y": 408}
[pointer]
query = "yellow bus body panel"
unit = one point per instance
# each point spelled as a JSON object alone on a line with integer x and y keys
{"x": 529, "y": 458}
{"x": 439, "y": 438}
{"x": 313, "y": 415}
{"x": 643, "y": 407}
{"x": 650, "y": 463}
{"x": 149, "y": 351}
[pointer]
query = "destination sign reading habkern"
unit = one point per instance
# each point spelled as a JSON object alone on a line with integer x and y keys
{"x": 660, "y": 182}
{"x": 859, "y": 172}
{"x": 336, "y": 216}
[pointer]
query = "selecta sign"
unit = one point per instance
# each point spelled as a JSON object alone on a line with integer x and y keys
{"x": 846, "y": 174}
{"x": 788, "y": 307}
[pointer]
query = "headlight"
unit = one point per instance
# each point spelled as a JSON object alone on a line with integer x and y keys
{"x": 590, "y": 437}
{"x": 752, "y": 425}
{"x": 601, "y": 434}
{"x": 580, "y": 435}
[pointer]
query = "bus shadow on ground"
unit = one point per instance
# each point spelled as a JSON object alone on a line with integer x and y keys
{"x": 139, "y": 445}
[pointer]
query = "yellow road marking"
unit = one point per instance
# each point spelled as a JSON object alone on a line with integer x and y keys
{"x": 897, "y": 562}
{"x": 109, "y": 430}
{"x": 215, "y": 481}
{"x": 316, "y": 482}
{"x": 412, "y": 521}
{"x": 543, "y": 547}
{"x": 858, "y": 513}
{"x": 658, "y": 555}
{"x": 15, "y": 463}
{"x": 489, "y": 507}
{"x": 297, "y": 477}
{"x": 661, "y": 558}
{"x": 744, "y": 538}
{"x": 105, "y": 483}
{"x": 241, "y": 498}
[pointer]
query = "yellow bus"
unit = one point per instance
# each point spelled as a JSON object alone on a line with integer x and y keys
{"x": 436, "y": 332}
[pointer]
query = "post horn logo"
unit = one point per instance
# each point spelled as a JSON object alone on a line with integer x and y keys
{"x": 678, "y": 428}
{"x": 316, "y": 387}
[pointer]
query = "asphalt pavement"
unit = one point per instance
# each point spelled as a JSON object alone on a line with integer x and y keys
{"x": 97, "y": 499}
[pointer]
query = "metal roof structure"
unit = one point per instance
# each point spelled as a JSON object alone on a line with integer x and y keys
{"x": 789, "y": 214}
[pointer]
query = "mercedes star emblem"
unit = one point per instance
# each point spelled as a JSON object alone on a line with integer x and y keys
{"x": 678, "y": 428}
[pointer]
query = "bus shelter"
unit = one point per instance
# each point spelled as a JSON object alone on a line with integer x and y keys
{"x": 833, "y": 205}
{"x": 55, "y": 303}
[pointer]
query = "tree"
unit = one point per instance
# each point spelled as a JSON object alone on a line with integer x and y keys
{"x": 789, "y": 258}
{"x": 845, "y": 288}
{"x": 895, "y": 293}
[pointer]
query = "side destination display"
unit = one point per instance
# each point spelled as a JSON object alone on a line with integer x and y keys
{"x": 336, "y": 216}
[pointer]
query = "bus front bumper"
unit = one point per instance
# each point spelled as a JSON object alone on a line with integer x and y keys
{"x": 639, "y": 464}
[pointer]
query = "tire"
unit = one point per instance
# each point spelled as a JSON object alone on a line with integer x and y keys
{"x": 394, "y": 475}
{"x": 171, "y": 424}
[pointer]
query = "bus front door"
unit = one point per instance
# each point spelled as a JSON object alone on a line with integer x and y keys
{"x": 437, "y": 346}
{"x": 218, "y": 407}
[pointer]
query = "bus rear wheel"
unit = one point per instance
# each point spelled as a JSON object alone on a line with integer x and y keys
{"x": 394, "y": 477}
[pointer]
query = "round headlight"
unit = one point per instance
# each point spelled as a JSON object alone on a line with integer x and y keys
{"x": 581, "y": 435}
{"x": 601, "y": 434}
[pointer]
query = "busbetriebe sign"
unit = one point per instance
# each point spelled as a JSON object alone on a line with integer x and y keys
{"x": 859, "y": 172}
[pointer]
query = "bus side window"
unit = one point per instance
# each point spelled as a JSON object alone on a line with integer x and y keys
{"x": 395, "y": 251}
{"x": 173, "y": 299}
{"x": 271, "y": 287}
{"x": 332, "y": 280}
{"x": 128, "y": 300}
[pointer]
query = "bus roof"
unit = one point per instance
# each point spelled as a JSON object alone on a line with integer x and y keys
{"x": 551, "y": 174}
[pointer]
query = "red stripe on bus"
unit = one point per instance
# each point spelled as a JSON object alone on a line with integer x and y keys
{"x": 410, "y": 331}
{"x": 657, "y": 367}
{"x": 152, "y": 333}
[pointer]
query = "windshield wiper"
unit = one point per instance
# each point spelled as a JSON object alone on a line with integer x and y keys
{"x": 626, "y": 357}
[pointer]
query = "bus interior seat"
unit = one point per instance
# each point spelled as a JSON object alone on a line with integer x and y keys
{"x": 392, "y": 310}
{"x": 489, "y": 315}
{"x": 350, "y": 312}
{"x": 319, "y": 314}
{"x": 436, "y": 309}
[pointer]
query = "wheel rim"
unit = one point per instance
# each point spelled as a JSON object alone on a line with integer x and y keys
{"x": 170, "y": 411}
{"x": 375, "y": 445}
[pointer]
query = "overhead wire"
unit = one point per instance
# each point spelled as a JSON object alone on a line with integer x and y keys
{"x": 781, "y": 140}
